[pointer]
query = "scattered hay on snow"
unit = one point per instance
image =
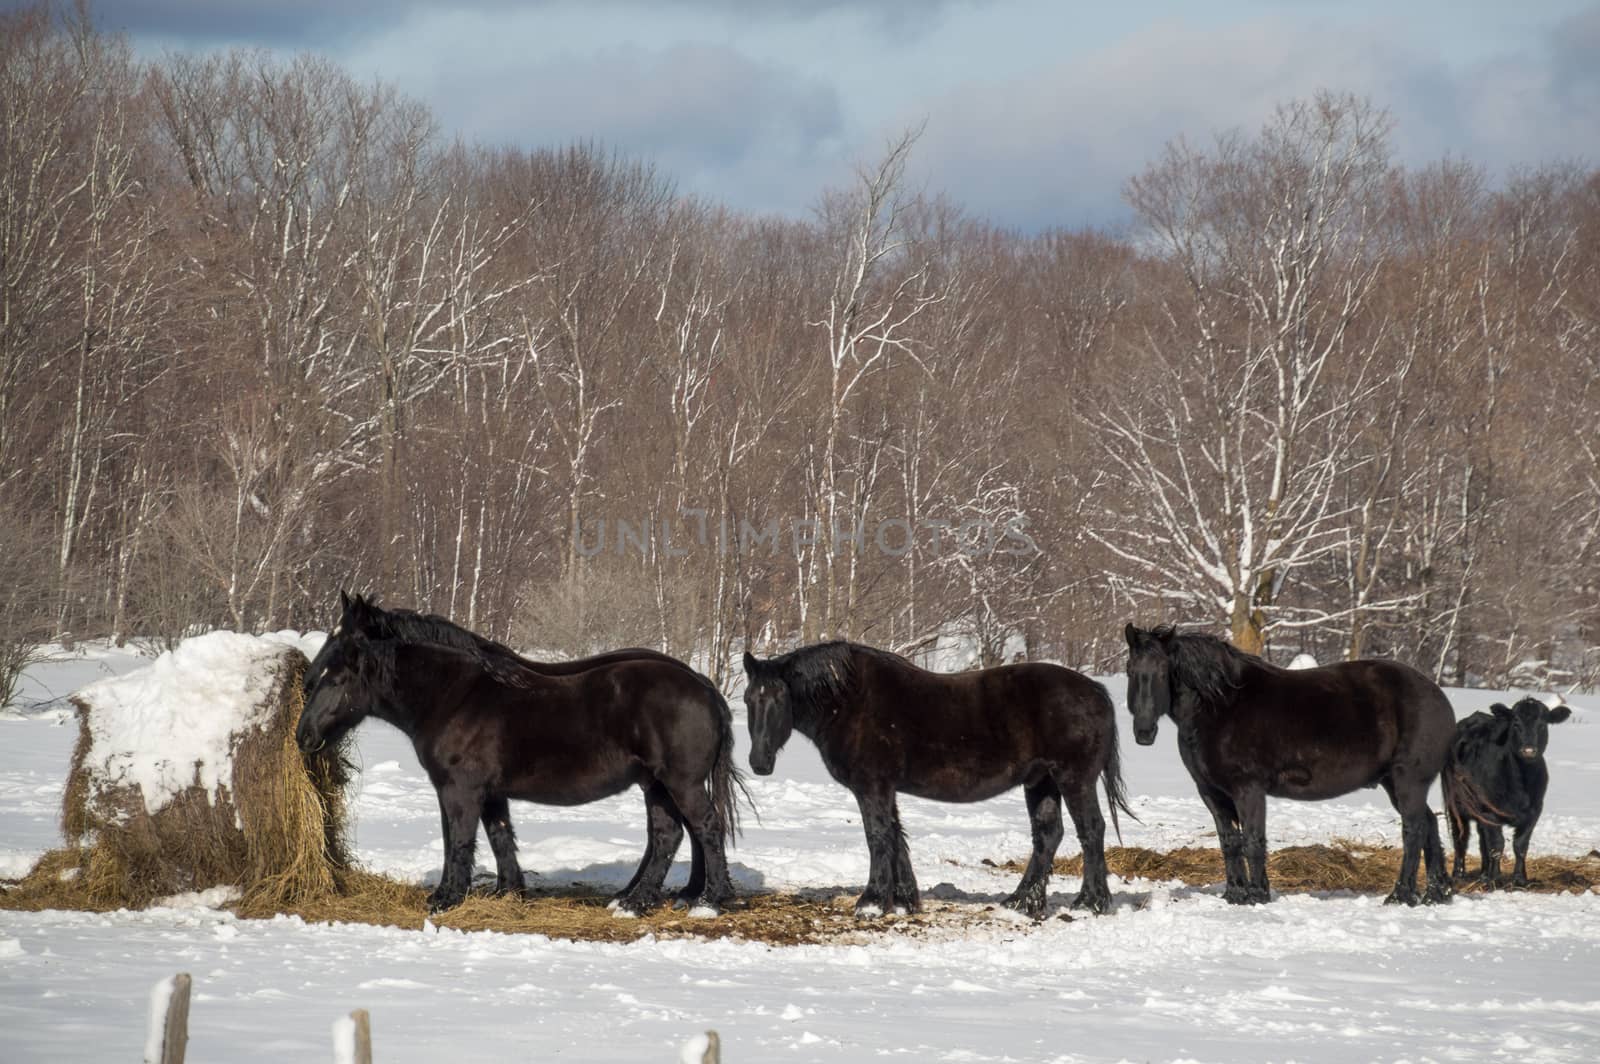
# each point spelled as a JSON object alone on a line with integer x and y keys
{"x": 1341, "y": 865}
{"x": 186, "y": 776}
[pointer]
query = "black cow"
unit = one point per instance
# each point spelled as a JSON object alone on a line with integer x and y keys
{"x": 1496, "y": 776}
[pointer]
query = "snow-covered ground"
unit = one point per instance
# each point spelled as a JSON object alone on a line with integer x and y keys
{"x": 1172, "y": 974}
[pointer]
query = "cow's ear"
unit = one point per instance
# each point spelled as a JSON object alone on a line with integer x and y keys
{"x": 750, "y": 664}
{"x": 1557, "y": 714}
{"x": 1502, "y": 711}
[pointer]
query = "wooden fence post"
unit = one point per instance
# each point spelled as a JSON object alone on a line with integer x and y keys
{"x": 363, "y": 1024}
{"x": 702, "y": 1049}
{"x": 352, "y": 1038}
{"x": 174, "y": 1025}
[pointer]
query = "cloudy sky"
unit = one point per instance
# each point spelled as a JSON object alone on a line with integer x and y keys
{"x": 1037, "y": 111}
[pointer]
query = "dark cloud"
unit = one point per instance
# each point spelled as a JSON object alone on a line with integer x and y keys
{"x": 1057, "y": 145}
{"x": 318, "y": 23}
{"x": 720, "y": 124}
{"x": 762, "y": 103}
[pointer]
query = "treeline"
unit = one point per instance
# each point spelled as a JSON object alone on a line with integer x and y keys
{"x": 268, "y": 332}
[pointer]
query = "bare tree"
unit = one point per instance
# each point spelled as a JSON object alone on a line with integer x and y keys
{"x": 1250, "y": 426}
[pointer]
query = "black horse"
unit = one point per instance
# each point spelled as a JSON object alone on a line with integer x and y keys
{"x": 411, "y": 626}
{"x": 1248, "y": 729}
{"x": 883, "y": 725}
{"x": 488, "y": 726}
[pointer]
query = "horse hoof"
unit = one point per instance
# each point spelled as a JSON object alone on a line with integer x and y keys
{"x": 1028, "y": 903}
{"x": 1401, "y": 897}
{"x": 637, "y": 904}
{"x": 438, "y": 903}
{"x": 868, "y": 910}
{"x": 1437, "y": 896}
{"x": 1099, "y": 904}
{"x": 1246, "y": 896}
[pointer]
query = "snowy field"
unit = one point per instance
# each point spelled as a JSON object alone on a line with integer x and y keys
{"x": 1173, "y": 974}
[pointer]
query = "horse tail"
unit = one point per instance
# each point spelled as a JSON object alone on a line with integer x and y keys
{"x": 1111, "y": 775}
{"x": 727, "y": 782}
{"x": 1464, "y": 800}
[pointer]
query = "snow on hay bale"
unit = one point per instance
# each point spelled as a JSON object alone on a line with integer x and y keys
{"x": 186, "y": 775}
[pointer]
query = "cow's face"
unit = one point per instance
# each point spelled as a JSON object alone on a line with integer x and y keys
{"x": 1529, "y": 721}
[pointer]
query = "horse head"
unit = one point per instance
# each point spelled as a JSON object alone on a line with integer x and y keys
{"x": 771, "y": 713}
{"x": 1529, "y": 722}
{"x": 338, "y": 683}
{"x": 1149, "y": 679}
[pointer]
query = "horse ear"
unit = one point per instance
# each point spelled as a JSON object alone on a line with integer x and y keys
{"x": 1131, "y": 634}
{"x": 1501, "y": 710}
{"x": 344, "y": 601}
{"x": 360, "y": 611}
{"x": 1557, "y": 714}
{"x": 750, "y": 663}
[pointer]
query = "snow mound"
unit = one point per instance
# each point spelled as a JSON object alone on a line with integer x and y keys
{"x": 172, "y": 724}
{"x": 1303, "y": 661}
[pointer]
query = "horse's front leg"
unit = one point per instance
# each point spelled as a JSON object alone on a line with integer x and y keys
{"x": 878, "y": 822}
{"x": 460, "y": 808}
{"x": 1230, "y": 839}
{"x": 1252, "y": 807}
{"x": 503, "y": 841}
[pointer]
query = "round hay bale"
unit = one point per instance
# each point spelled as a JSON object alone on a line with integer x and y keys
{"x": 186, "y": 776}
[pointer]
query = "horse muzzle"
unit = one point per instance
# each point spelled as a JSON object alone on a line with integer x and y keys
{"x": 1144, "y": 736}
{"x": 309, "y": 741}
{"x": 762, "y": 764}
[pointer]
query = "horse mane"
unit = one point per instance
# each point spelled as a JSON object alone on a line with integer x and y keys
{"x": 410, "y": 627}
{"x": 820, "y": 677}
{"x": 1210, "y": 667}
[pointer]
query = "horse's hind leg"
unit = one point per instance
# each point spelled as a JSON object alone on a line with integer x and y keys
{"x": 1044, "y": 817}
{"x": 1419, "y": 835}
{"x": 1084, "y": 807}
{"x": 503, "y": 841}
{"x": 907, "y": 899}
{"x": 705, "y": 827}
{"x": 663, "y": 834}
